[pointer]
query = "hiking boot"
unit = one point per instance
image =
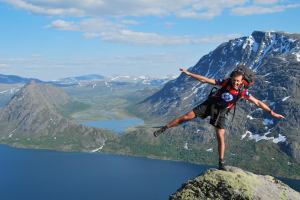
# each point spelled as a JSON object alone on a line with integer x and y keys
{"x": 159, "y": 131}
{"x": 222, "y": 165}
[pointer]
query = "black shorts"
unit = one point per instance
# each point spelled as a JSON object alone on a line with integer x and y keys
{"x": 217, "y": 116}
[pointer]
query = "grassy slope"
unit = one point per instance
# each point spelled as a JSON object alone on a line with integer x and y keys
{"x": 263, "y": 157}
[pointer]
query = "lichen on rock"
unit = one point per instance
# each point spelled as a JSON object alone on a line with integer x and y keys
{"x": 234, "y": 183}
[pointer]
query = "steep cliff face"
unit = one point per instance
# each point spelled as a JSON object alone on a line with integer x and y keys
{"x": 234, "y": 183}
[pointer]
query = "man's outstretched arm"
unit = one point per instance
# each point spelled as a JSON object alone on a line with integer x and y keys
{"x": 200, "y": 78}
{"x": 266, "y": 108}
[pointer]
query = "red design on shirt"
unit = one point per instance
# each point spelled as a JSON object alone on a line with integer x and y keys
{"x": 228, "y": 95}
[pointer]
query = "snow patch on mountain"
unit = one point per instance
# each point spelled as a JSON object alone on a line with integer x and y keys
{"x": 267, "y": 74}
{"x": 10, "y": 91}
{"x": 106, "y": 84}
{"x": 258, "y": 137}
{"x": 121, "y": 77}
{"x": 285, "y": 98}
{"x": 264, "y": 49}
{"x": 250, "y": 117}
{"x": 186, "y": 146}
{"x": 297, "y": 54}
{"x": 280, "y": 138}
{"x": 251, "y": 43}
{"x": 194, "y": 90}
{"x": 267, "y": 122}
{"x": 237, "y": 42}
{"x": 244, "y": 135}
{"x": 97, "y": 149}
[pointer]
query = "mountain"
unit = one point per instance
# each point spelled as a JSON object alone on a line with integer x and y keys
{"x": 89, "y": 77}
{"x": 76, "y": 79}
{"x": 92, "y": 80}
{"x": 10, "y": 79}
{"x": 234, "y": 183}
{"x": 258, "y": 51}
{"x": 146, "y": 80}
{"x": 32, "y": 117}
{"x": 253, "y": 137}
{"x": 97, "y": 80}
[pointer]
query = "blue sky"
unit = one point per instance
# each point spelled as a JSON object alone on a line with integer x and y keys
{"x": 50, "y": 39}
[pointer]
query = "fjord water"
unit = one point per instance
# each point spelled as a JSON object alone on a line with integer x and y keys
{"x": 116, "y": 125}
{"x": 43, "y": 174}
{"x": 48, "y": 175}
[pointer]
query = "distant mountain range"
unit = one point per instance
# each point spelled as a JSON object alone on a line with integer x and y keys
{"x": 11, "y": 79}
{"x": 90, "y": 80}
{"x": 142, "y": 79}
{"x": 76, "y": 79}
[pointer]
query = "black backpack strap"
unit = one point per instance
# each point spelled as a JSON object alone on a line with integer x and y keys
{"x": 233, "y": 114}
{"x": 236, "y": 100}
{"x": 214, "y": 90}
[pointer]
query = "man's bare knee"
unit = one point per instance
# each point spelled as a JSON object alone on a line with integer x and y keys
{"x": 189, "y": 116}
{"x": 220, "y": 133}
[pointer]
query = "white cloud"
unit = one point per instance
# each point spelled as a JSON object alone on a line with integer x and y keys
{"x": 203, "y": 9}
{"x": 198, "y": 15}
{"x": 113, "y": 32}
{"x": 207, "y": 9}
{"x": 3, "y": 66}
{"x": 265, "y": 1}
{"x": 63, "y": 25}
{"x": 130, "y": 22}
{"x": 39, "y": 8}
{"x": 252, "y": 10}
{"x": 200, "y": 9}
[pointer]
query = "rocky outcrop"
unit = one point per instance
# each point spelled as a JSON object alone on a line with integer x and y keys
{"x": 234, "y": 183}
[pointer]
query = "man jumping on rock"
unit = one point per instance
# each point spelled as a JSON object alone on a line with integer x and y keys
{"x": 218, "y": 105}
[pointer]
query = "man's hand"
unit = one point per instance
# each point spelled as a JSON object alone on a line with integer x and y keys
{"x": 263, "y": 106}
{"x": 185, "y": 71}
{"x": 198, "y": 77}
{"x": 276, "y": 115}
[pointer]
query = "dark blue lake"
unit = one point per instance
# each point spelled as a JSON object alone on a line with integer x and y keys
{"x": 43, "y": 174}
{"x": 117, "y": 125}
{"x": 50, "y": 175}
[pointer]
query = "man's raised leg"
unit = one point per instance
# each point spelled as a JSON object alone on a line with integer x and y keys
{"x": 175, "y": 122}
